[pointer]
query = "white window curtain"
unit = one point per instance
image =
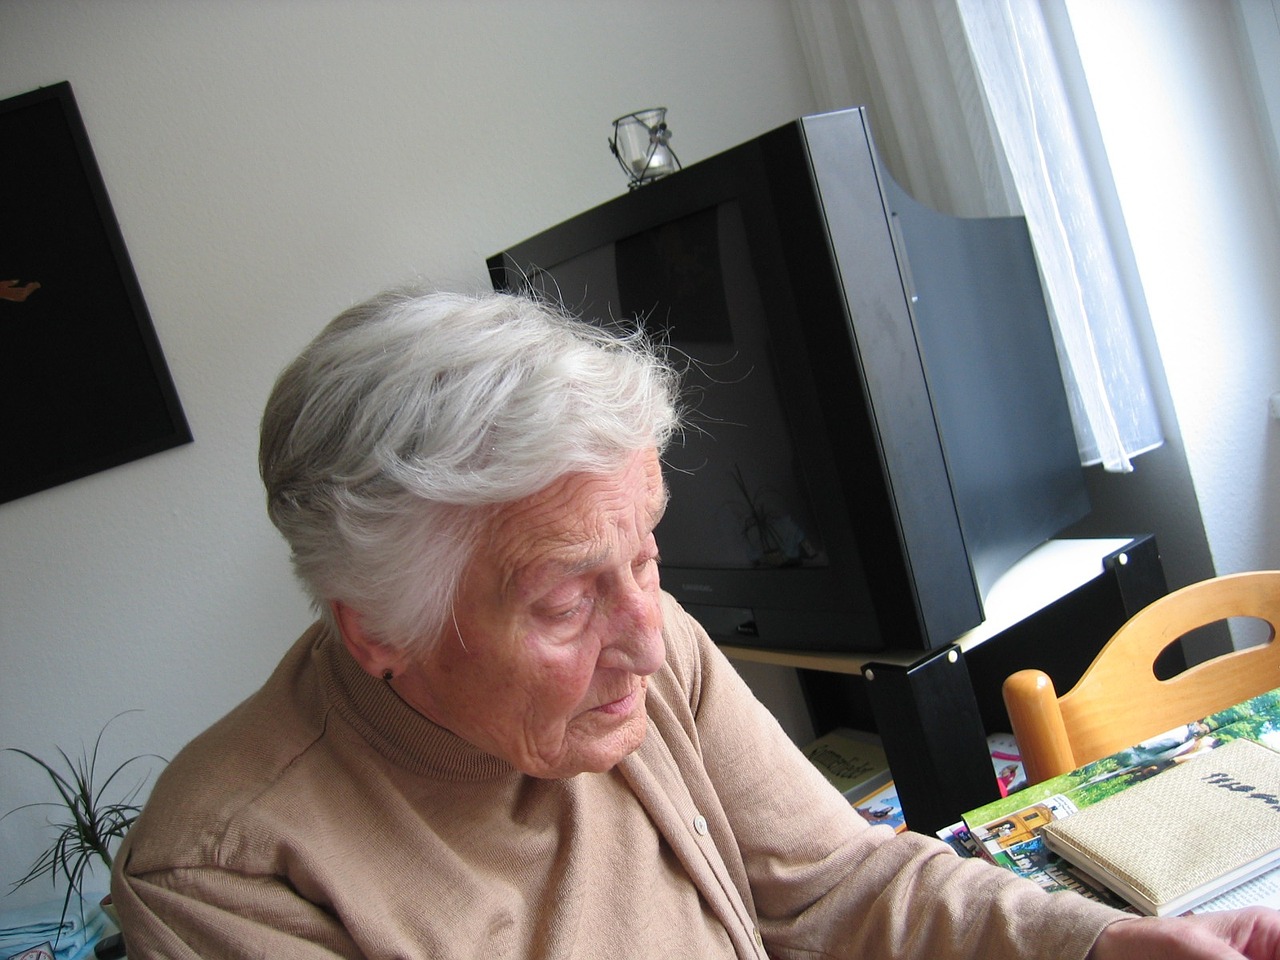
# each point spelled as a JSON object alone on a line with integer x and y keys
{"x": 970, "y": 114}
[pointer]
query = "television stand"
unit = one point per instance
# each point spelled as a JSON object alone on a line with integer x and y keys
{"x": 1054, "y": 610}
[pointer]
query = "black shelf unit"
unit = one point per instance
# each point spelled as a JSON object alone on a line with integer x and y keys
{"x": 933, "y": 710}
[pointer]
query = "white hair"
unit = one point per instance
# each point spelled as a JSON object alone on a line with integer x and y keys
{"x": 411, "y": 416}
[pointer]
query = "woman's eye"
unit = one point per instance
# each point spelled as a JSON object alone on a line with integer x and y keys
{"x": 569, "y": 613}
{"x": 567, "y": 610}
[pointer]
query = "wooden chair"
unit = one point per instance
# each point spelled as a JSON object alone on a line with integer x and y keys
{"x": 1119, "y": 701}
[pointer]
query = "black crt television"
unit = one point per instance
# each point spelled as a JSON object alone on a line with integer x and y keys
{"x": 878, "y": 426}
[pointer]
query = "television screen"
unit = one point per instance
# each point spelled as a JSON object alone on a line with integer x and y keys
{"x": 737, "y": 499}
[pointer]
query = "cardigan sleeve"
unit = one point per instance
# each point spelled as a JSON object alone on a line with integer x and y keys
{"x": 207, "y": 913}
{"x": 824, "y": 882}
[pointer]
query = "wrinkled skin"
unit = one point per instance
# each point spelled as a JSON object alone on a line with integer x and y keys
{"x": 1253, "y": 933}
{"x": 556, "y": 628}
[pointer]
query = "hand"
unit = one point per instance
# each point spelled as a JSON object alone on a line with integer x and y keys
{"x": 1253, "y": 933}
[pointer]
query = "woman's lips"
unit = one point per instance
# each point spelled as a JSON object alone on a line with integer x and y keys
{"x": 624, "y": 705}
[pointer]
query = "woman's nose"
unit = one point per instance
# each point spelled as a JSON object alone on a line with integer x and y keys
{"x": 636, "y": 643}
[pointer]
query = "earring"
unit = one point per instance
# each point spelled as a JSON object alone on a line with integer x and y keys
{"x": 388, "y": 675}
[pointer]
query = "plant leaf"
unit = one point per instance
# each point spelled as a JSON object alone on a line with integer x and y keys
{"x": 94, "y": 824}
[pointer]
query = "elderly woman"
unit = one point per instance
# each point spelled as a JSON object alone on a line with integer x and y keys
{"x": 501, "y": 739}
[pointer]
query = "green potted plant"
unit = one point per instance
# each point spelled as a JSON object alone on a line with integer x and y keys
{"x": 91, "y": 826}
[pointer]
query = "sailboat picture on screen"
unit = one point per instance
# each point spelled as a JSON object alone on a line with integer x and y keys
{"x": 878, "y": 423}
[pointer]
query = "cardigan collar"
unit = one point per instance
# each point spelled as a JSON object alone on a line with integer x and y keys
{"x": 389, "y": 725}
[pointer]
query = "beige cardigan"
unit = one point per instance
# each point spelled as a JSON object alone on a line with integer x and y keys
{"x": 325, "y": 818}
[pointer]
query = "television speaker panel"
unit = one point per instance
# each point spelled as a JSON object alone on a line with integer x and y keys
{"x": 996, "y": 382}
{"x": 987, "y": 355}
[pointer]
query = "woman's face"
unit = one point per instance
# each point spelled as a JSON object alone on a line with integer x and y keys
{"x": 557, "y": 627}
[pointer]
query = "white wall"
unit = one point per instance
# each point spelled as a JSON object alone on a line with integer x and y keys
{"x": 270, "y": 162}
{"x": 1185, "y": 127}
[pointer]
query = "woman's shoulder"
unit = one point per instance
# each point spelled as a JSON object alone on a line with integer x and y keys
{"x": 694, "y": 664}
{"x": 683, "y": 636}
{"x": 229, "y": 766}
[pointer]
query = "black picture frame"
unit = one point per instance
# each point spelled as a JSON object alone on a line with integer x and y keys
{"x": 83, "y": 382}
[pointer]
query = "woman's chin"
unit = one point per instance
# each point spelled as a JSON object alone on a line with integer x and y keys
{"x": 592, "y": 750}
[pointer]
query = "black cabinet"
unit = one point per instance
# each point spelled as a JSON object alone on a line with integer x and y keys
{"x": 933, "y": 711}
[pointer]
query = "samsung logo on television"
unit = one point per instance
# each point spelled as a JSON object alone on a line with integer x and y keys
{"x": 697, "y": 587}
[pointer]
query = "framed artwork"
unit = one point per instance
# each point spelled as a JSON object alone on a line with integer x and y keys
{"x": 83, "y": 383}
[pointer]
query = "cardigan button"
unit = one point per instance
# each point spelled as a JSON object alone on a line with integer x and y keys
{"x": 700, "y": 825}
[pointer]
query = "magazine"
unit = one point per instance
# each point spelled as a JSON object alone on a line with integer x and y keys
{"x": 882, "y": 806}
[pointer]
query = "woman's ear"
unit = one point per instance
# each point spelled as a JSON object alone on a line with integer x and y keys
{"x": 375, "y": 658}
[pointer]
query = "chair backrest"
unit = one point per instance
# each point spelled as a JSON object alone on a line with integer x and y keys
{"x": 1119, "y": 701}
